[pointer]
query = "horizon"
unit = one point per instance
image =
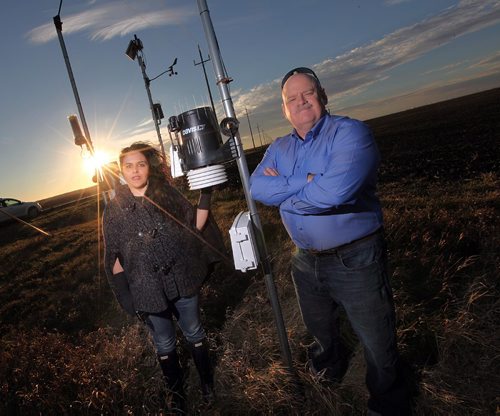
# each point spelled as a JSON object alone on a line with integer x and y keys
{"x": 249, "y": 149}
{"x": 412, "y": 56}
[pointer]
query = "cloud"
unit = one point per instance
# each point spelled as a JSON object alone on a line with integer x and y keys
{"x": 145, "y": 126}
{"x": 491, "y": 61}
{"x": 258, "y": 96}
{"x": 395, "y": 2}
{"x": 446, "y": 68}
{"x": 351, "y": 73}
{"x": 431, "y": 93}
{"x": 370, "y": 62}
{"x": 145, "y": 123}
{"x": 143, "y": 132}
{"x": 104, "y": 22}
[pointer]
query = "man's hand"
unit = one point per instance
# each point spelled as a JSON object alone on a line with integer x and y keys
{"x": 274, "y": 172}
{"x": 271, "y": 172}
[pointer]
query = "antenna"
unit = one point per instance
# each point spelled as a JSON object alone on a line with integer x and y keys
{"x": 134, "y": 50}
{"x": 170, "y": 69}
{"x": 202, "y": 63}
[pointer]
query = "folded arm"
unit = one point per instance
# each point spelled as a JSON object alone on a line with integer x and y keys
{"x": 352, "y": 166}
{"x": 270, "y": 186}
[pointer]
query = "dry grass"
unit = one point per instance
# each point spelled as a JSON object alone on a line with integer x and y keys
{"x": 66, "y": 348}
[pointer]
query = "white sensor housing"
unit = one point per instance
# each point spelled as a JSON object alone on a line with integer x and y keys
{"x": 243, "y": 244}
{"x": 175, "y": 163}
{"x": 207, "y": 176}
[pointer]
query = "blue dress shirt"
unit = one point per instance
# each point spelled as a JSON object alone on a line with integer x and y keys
{"x": 340, "y": 204}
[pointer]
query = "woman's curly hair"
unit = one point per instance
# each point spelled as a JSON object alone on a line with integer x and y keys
{"x": 159, "y": 174}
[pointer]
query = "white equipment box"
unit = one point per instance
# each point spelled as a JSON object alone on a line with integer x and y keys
{"x": 175, "y": 163}
{"x": 243, "y": 244}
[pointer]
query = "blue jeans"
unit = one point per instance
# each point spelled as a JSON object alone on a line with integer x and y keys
{"x": 354, "y": 277}
{"x": 162, "y": 327}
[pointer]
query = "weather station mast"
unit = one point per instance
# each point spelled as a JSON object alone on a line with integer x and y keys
{"x": 81, "y": 139}
{"x": 254, "y": 226}
{"x": 134, "y": 50}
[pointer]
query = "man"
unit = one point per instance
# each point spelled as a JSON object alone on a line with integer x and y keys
{"x": 323, "y": 178}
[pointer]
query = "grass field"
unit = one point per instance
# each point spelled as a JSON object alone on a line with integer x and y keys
{"x": 67, "y": 348}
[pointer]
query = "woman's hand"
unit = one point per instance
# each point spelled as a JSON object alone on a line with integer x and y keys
{"x": 117, "y": 267}
{"x": 120, "y": 287}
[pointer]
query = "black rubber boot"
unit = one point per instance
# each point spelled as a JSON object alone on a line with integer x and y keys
{"x": 174, "y": 379}
{"x": 201, "y": 358}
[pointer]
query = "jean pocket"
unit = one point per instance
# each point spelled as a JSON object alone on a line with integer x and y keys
{"x": 360, "y": 257}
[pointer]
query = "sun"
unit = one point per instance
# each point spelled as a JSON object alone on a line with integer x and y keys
{"x": 94, "y": 162}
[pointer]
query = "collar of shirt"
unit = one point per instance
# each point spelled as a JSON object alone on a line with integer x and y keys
{"x": 313, "y": 133}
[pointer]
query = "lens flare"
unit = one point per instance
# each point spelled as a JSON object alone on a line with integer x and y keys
{"x": 95, "y": 162}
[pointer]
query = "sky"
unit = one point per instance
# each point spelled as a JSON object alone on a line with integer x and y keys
{"x": 373, "y": 57}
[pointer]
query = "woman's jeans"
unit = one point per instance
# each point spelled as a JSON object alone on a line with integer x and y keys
{"x": 162, "y": 327}
{"x": 353, "y": 276}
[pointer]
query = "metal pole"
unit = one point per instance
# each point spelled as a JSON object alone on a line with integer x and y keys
{"x": 250, "y": 126}
{"x": 222, "y": 81}
{"x": 202, "y": 62}
{"x": 58, "y": 25}
{"x": 90, "y": 146}
{"x": 155, "y": 119}
{"x": 260, "y": 135}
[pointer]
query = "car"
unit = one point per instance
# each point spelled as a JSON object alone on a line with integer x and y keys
{"x": 10, "y": 207}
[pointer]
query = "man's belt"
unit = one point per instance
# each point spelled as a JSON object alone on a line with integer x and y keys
{"x": 335, "y": 250}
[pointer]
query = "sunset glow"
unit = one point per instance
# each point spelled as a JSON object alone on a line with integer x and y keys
{"x": 97, "y": 161}
{"x": 412, "y": 56}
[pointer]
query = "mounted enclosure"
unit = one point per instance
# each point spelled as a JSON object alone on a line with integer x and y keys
{"x": 243, "y": 243}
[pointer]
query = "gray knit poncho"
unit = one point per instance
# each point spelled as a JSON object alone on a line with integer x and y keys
{"x": 161, "y": 259}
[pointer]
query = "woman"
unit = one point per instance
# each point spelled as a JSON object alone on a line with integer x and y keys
{"x": 156, "y": 262}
